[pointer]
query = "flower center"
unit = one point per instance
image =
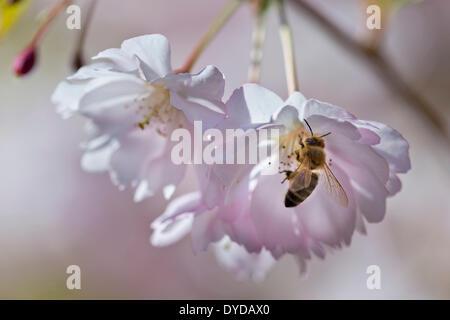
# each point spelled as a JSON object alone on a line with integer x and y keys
{"x": 289, "y": 142}
{"x": 157, "y": 112}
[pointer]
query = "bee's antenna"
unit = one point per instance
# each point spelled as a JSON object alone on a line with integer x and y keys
{"x": 326, "y": 134}
{"x": 309, "y": 127}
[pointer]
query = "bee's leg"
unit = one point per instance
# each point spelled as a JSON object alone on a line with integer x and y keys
{"x": 288, "y": 174}
{"x": 297, "y": 154}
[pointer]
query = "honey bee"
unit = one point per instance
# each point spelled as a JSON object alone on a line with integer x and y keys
{"x": 312, "y": 165}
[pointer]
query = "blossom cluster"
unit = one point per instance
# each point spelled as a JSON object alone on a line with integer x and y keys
{"x": 134, "y": 101}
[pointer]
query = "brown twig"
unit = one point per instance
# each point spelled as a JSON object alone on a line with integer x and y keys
{"x": 384, "y": 69}
{"x": 78, "y": 60}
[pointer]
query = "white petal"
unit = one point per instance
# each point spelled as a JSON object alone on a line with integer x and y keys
{"x": 153, "y": 51}
{"x": 251, "y": 103}
{"x": 177, "y": 219}
{"x": 160, "y": 173}
{"x": 66, "y": 97}
{"x": 288, "y": 117}
{"x": 142, "y": 191}
{"x": 207, "y": 84}
{"x": 168, "y": 191}
{"x": 109, "y": 92}
{"x": 322, "y": 125}
{"x": 234, "y": 258}
{"x": 313, "y": 106}
{"x": 296, "y": 100}
{"x": 185, "y": 204}
{"x": 119, "y": 60}
{"x": 198, "y": 110}
{"x": 93, "y": 71}
{"x": 98, "y": 160}
{"x": 167, "y": 233}
{"x": 137, "y": 149}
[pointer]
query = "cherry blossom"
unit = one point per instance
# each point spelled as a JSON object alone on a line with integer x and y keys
{"x": 133, "y": 101}
{"x": 238, "y": 203}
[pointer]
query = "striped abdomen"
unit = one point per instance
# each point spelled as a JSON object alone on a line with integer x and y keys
{"x": 294, "y": 198}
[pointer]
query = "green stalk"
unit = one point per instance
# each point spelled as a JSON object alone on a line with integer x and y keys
{"x": 258, "y": 38}
{"x": 287, "y": 44}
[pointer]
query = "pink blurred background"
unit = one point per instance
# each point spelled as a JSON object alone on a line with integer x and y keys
{"x": 52, "y": 214}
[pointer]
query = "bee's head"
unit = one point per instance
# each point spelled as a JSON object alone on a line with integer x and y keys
{"x": 315, "y": 141}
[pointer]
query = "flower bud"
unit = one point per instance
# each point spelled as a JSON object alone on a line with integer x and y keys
{"x": 24, "y": 61}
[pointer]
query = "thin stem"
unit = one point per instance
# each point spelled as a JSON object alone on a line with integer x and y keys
{"x": 52, "y": 14}
{"x": 78, "y": 60}
{"x": 287, "y": 44}
{"x": 220, "y": 21}
{"x": 372, "y": 38}
{"x": 258, "y": 37}
{"x": 383, "y": 68}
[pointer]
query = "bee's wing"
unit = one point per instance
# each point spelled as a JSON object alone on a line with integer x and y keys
{"x": 333, "y": 187}
{"x": 302, "y": 176}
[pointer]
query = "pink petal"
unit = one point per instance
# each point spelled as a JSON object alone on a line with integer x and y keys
{"x": 394, "y": 184}
{"x": 359, "y": 155}
{"x": 393, "y": 147}
{"x": 370, "y": 193}
{"x": 322, "y": 218}
{"x": 206, "y": 229}
{"x": 277, "y": 226}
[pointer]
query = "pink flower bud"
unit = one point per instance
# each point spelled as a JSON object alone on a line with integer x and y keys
{"x": 24, "y": 61}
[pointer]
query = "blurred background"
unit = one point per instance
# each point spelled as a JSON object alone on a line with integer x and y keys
{"x": 52, "y": 214}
